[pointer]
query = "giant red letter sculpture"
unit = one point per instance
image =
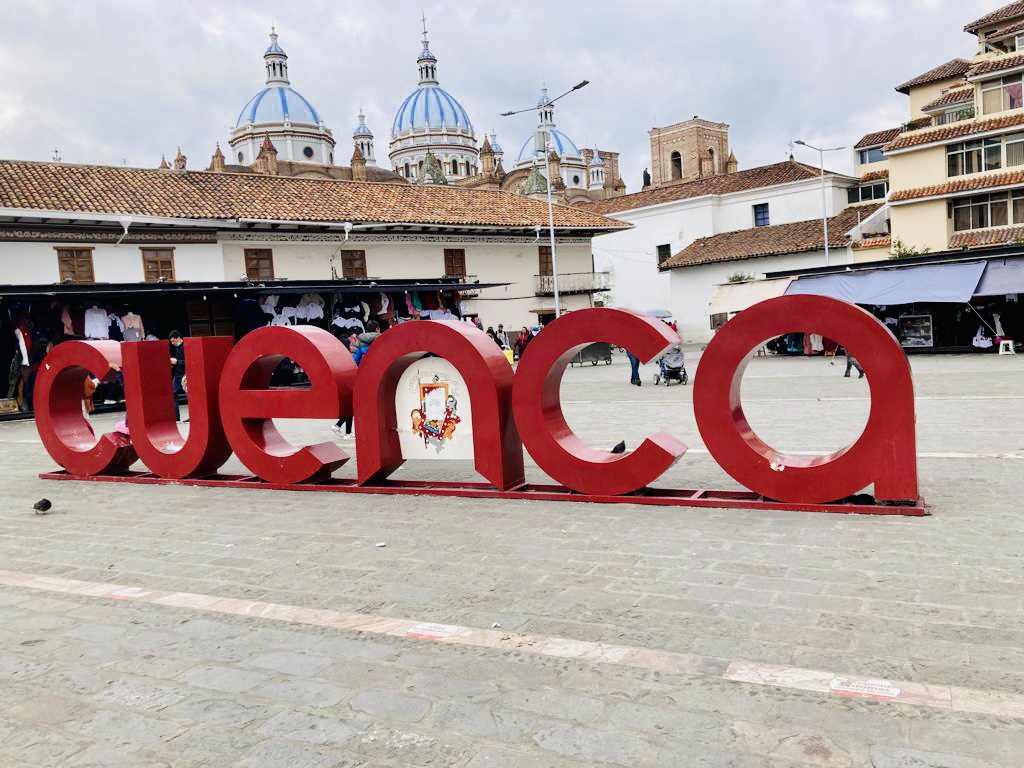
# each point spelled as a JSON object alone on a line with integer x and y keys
{"x": 65, "y": 432}
{"x": 248, "y": 404}
{"x": 885, "y": 452}
{"x": 538, "y": 410}
{"x": 498, "y": 452}
{"x": 150, "y": 405}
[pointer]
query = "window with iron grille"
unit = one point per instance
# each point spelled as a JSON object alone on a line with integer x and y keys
{"x": 454, "y": 262}
{"x": 75, "y": 265}
{"x": 259, "y": 263}
{"x": 544, "y": 265}
{"x": 761, "y": 215}
{"x": 158, "y": 265}
{"x": 353, "y": 264}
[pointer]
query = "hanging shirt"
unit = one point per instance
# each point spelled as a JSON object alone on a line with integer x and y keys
{"x": 311, "y": 307}
{"x": 96, "y": 324}
{"x": 133, "y": 328}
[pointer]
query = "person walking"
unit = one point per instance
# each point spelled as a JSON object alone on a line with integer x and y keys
{"x": 852, "y": 362}
{"x": 634, "y": 365}
{"x": 177, "y": 350}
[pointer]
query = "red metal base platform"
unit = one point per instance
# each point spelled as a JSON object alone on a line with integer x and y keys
{"x": 670, "y": 497}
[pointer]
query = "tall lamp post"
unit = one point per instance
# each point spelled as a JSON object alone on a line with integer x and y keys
{"x": 824, "y": 198}
{"x": 544, "y": 140}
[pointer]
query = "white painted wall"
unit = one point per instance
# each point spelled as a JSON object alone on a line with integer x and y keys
{"x": 692, "y": 288}
{"x": 632, "y": 254}
{"x": 515, "y": 263}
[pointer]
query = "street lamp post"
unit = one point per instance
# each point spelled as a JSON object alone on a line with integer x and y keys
{"x": 548, "y": 145}
{"x": 824, "y": 197}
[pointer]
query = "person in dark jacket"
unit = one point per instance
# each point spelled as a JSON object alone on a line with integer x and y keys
{"x": 177, "y": 350}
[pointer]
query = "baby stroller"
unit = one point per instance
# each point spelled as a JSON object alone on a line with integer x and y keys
{"x": 671, "y": 367}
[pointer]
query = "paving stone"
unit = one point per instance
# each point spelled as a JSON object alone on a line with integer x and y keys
{"x": 308, "y": 693}
{"x": 312, "y": 729}
{"x": 602, "y": 747}
{"x": 275, "y": 753}
{"x": 290, "y": 662}
{"x": 229, "y": 679}
{"x": 395, "y": 706}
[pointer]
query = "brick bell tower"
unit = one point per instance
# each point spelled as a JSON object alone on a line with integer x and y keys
{"x": 689, "y": 150}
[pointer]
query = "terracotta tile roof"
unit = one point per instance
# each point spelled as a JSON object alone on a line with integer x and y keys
{"x": 753, "y": 178}
{"x": 960, "y": 185}
{"x": 997, "y": 64}
{"x": 873, "y": 242}
{"x": 796, "y": 237}
{"x": 1008, "y": 11}
{"x": 875, "y": 175}
{"x": 980, "y": 237}
{"x": 1011, "y": 29}
{"x": 950, "y": 98}
{"x": 232, "y": 196}
{"x": 952, "y": 68}
{"x": 954, "y": 131}
{"x": 878, "y": 137}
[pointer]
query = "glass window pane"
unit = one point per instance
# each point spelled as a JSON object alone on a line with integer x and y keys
{"x": 1014, "y": 153}
{"x": 1013, "y": 96}
{"x": 972, "y": 161}
{"x": 962, "y": 218}
{"x": 1018, "y": 210}
{"x": 979, "y": 215}
{"x": 992, "y": 101}
{"x": 955, "y": 163}
{"x": 999, "y": 214}
{"x": 993, "y": 156}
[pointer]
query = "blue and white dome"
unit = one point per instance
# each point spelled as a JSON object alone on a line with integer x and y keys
{"x": 564, "y": 146}
{"x": 277, "y": 104}
{"x": 432, "y": 133}
{"x": 362, "y": 129}
{"x": 430, "y": 106}
{"x": 283, "y": 116}
{"x": 597, "y": 160}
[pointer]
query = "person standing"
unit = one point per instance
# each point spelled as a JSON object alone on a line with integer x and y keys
{"x": 634, "y": 365}
{"x": 522, "y": 340}
{"x": 177, "y": 349}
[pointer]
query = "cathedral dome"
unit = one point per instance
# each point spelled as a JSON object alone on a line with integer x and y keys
{"x": 564, "y": 146}
{"x": 277, "y": 104}
{"x": 430, "y": 106}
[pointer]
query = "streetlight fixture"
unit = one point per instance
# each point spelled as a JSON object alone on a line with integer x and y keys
{"x": 547, "y": 144}
{"x": 824, "y": 198}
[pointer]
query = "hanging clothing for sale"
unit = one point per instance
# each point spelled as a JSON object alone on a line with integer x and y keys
{"x": 350, "y": 307}
{"x": 980, "y": 340}
{"x": 817, "y": 344}
{"x": 349, "y": 322}
{"x": 65, "y": 319}
{"x": 133, "y": 328}
{"x": 96, "y": 324}
{"x": 997, "y": 324}
{"x": 311, "y": 307}
{"x": 269, "y": 304}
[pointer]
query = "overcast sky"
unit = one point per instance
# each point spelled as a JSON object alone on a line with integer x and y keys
{"x": 113, "y": 82}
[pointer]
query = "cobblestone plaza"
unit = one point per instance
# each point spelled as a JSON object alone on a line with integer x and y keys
{"x": 184, "y": 626}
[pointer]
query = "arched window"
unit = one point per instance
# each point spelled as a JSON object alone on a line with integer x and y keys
{"x": 677, "y": 165}
{"x": 711, "y": 154}
{"x": 408, "y": 171}
{"x": 468, "y": 173}
{"x": 455, "y": 167}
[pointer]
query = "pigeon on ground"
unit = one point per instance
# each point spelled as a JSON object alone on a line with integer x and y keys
{"x": 42, "y": 506}
{"x": 620, "y": 448}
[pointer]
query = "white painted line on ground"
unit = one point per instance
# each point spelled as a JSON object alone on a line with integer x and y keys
{"x": 827, "y": 683}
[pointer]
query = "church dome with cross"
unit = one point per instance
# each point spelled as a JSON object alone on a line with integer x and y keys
{"x": 281, "y": 113}
{"x": 431, "y": 120}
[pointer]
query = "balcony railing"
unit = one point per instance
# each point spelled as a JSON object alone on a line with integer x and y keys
{"x": 573, "y": 282}
{"x": 468, "y": 293}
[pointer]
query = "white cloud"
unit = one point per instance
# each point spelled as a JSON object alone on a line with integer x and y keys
{"x": 113, "y": 79}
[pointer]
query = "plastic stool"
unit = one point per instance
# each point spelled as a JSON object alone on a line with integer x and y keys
{"x": 1006, "y": 347}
